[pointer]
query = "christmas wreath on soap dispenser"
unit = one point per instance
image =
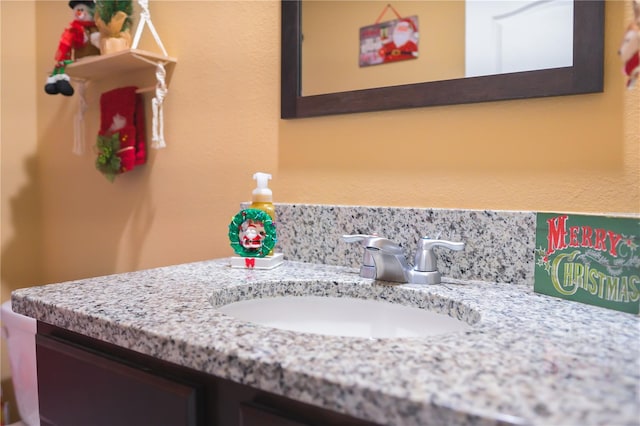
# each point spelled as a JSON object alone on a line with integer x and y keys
{"x": 252, "y": 233}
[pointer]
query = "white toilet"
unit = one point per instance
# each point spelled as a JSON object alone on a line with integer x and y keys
{"x": 19, "y": 331}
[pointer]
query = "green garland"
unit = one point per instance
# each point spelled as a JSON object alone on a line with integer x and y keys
{"x": 235, "y": 231}
{"x": 108, "y": 161}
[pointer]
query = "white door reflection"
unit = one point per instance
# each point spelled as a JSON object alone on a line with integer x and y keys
{"x": 505, "y": 36}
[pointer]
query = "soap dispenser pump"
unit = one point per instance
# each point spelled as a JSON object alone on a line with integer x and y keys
{"x": 262, "y": 197}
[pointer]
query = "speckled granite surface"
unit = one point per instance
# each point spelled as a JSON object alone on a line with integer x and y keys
{"x": 529, "y": 359}
{"x": 499, "y": 244}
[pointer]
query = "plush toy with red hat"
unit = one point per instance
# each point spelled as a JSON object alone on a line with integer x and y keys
{"x": 630, "y": 48}
{"x": 79, "y": 39}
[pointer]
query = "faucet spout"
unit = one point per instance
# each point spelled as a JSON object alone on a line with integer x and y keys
{"x": 368, "y": 268}
{"x": 389, "y": 259}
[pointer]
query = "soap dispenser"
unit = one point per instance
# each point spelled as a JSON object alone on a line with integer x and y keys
{"x": 252, "y": 232}
{"x": 262, "y": 197}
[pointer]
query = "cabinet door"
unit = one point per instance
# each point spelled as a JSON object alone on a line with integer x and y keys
{"x": 80, "y": 387}
{"x": 271, "y": 410}
{"x": 251, "y": 415}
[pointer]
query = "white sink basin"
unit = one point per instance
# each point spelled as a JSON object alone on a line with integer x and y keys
{"x": 343, "y": 316}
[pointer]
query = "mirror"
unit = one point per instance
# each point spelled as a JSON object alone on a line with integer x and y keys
{"x": 584, "y": 76}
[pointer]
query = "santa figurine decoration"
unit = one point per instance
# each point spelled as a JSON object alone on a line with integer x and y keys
{"x": 79, "y": 39}
{"x": 630, "y": 49}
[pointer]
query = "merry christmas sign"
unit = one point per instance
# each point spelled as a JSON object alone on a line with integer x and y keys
{"x": 589, "y": 259}
{"x": 389, "y": 41}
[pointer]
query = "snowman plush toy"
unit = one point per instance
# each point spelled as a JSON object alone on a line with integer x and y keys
{"x": 630, "y": 48}
{"x": 79, "y": 39}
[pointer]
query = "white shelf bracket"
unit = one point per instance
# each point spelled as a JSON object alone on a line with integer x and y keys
{"x": 157, "y": 127}
{"x": 145, "y": 18}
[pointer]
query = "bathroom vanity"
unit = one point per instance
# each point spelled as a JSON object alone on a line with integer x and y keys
{"x": 150, "y": 346}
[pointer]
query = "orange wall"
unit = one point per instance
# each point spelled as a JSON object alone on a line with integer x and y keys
{"x": 331, "y": 41}
{"x": 62, "y": 220}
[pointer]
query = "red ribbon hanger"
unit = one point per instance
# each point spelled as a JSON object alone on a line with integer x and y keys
{"x": 387, "y": 7}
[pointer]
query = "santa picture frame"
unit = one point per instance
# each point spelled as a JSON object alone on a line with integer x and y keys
{"x": 389, "y": 41}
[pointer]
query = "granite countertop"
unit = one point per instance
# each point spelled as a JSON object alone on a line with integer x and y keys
{"x": 528, "y": 358}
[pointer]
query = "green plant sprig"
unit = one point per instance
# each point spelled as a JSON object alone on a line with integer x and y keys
{"x": 108, "y": 161}
{"x": 107, "y": 8}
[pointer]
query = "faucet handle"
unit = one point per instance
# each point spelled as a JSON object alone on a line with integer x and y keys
{"x": 375, "y": 242}
{"x": 354, "y": 238}
{"x": 368, "y": 267}
{"x": 425, "y": 260}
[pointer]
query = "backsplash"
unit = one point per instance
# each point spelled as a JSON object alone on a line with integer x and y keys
{"x": 499, "y": 247}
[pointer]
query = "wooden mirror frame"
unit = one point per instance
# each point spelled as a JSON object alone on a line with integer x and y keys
{"x": 585, "y": 76}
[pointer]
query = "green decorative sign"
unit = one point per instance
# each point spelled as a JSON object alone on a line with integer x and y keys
{"x": 589, "y": 259}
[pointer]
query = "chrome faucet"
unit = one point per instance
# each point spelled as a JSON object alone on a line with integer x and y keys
{"x": 368, "y": 267}
{"x": 385, "y": 259}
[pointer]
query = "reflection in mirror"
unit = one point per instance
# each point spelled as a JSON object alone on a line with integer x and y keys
{"x": 513, "y": 36}
{"x": 563, "y": 75}
{"x": 330, "y": 53}
{"x": 457, "y": 39}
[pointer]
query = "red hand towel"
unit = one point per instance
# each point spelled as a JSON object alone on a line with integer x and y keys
{"x": 122, "y": 112}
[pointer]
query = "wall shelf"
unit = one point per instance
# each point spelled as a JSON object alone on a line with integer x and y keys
{"x": 125, "y": 61}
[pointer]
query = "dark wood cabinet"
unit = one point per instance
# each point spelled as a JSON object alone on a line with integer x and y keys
{"x": 81, "y": 387}
{"x": 84, "y": 381}
{"x": 253, "y": 415}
